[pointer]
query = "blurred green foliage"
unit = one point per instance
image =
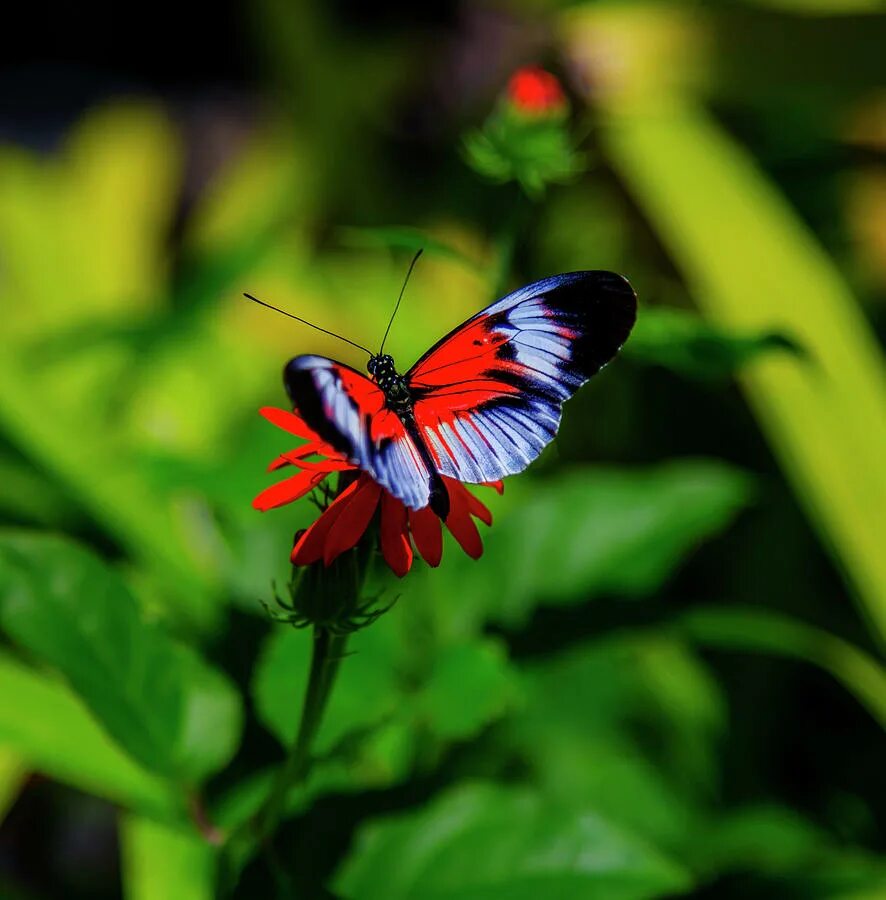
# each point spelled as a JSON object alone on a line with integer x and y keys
{"x": 655, "y": 681}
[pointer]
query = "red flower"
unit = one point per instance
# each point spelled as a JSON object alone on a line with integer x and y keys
{"x": 342, "y": 524}
{"x": 534, "y": 91}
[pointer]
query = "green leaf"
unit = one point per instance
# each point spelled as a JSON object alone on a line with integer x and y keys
{"x": 364, "y": 694}
{"x": 753, "y": 266}
{"x": 764, "y": 631}
{"x": 620, "y": 687}
{"x": 161, "y": 862}
{"x": 43, "y": 722}
{"x": 686, "y": 343}
{"x": 761, "y": 839}
{"x": 595, "y": 531}
{"x": 120, "y": 169}
{"x": 470, "y": 685}
{"x": 158, "y": 699}
{"x": 484, "y": 842}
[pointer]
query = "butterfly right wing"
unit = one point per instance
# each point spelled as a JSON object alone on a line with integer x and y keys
{"x": 488, "y": 397}
{"x": 348, "y": 411}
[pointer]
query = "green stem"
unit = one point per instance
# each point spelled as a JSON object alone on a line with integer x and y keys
{"x": 326, "y": 654}
{"x": 506, "y": 241}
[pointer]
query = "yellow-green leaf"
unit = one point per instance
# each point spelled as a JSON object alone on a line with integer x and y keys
{"x": 752, "y": 265}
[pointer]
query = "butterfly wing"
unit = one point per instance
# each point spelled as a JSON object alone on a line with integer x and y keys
{"x": 348, "y": 411}
{"x": 488, "y": 397}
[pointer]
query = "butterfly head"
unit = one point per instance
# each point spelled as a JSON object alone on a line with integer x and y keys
{"x": 382, "y": 367}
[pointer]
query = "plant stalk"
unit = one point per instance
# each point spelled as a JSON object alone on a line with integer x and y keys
{"x": 326, "y": 654}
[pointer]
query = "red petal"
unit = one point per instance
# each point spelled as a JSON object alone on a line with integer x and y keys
{"x": 290, "y": 456}
{"x": 461, "y": 525}
{"x": 332, "y": 462}
{"x": 324, "y": 465}
{"x": 310, "y": 546}
{"x": 427, "y": 534}
{"x": 498, "y": 486}
{"x": 288, "y": 490}
{"x": 355, "y": 517}
{"x": 395, "y": 546}
{"x": 476, "y": 508}
{"x": 288, "y": 422}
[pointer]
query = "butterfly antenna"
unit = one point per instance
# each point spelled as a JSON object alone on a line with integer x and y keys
{"x": 402, "y": 289}
{"x": 305, "y": 322}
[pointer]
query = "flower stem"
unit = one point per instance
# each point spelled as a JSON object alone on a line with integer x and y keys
{"x": 326, "y": 654}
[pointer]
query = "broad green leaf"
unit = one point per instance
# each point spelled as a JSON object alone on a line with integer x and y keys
{"x": 158, "y": 699}
{"x": 753, "y": 266}
{"x": 689, "y": 345}
{"x": 161, "y": 862}
{"x": 469, "y": 686}
{"x": 622, "y": 688}
{"x": 484, "y": 842}
{"x": 364, "y": 694}
{"x": 45, "y": 723}
{"x": 765, "y": 631}
{"x": 592, "y": 531}
{"x": 101, "y": 478}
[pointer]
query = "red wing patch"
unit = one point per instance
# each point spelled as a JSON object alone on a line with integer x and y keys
{"x": 488, "y": 397}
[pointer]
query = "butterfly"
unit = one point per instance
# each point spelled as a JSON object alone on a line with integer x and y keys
{"x": 482, "y": 403}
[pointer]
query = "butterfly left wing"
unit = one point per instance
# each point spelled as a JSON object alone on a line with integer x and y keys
{"x": 348, "y": 411}
{"x": 488, "y": 397}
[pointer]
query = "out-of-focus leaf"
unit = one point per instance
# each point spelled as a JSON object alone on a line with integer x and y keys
{"x": 484, "y": 842}
{"x": 161, "y": 862}
{"x": 168, "y": 541}
{"x": 785, "y": 855}
{"x": 753, "y": 267}
{"x": 84, "y": 238}
{"x": 13, "y": 772}
{"x": 687, "y": 344}
{"x": 28, "y": 496}
{"x": 763, "y": 631}
{"x": 847, "y": 876}
{"x": 263, "y": 185}
{"x": 378, "y": 757}
{"x": 44, "y": 722}
{"x": 616, "y": 683}
{"x": 761, "y": 839}
{"x": 83, "y": 233}
{"x": 469, "y": 686}
{"x": 365, "y": 689}
{"x": 395, "y": 237}
{"x": 594, "y": 531}
{"x": 158, "y": 699}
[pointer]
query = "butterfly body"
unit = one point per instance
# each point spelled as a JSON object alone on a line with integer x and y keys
{"x": 481, "y": 403}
